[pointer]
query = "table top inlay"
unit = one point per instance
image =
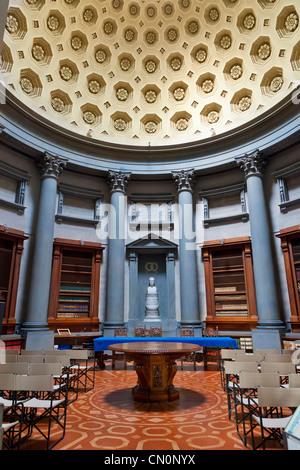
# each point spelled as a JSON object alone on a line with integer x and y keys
{"x": 154, "y": 347}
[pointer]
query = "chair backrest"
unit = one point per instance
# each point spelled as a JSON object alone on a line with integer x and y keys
{"x": 186, "y": 332}
{"x": 78, "y": 354}
{"x": 211, "y": 331}
{"x": 30, "y": 358}
{"x": 45, "y": 369}
{"x": 266, "y": 351}
{"x": 288, "y": 352}
{"x": 7, "y": 382}
{"x": 277, "y": 358}
{"x": 294, "y": 380}
{"x": 42, "y": 352}
{"x": 64, "y": 360}
{"x": 228, "y": 354}
{"x": 14, "y": 368}
{"x": 232, "y": 367}
{"x": 256, "y": 379}
{"x": 250, "y": 358}
{"x": 278, "y": 396}
{"x": 120, "y": 332}
{"x": 140, "y": 332}
{"x": 34, "y": 383}
{"x": 6, "y": 358}
{"x": 283, "y": 368}
{"x": 155, "y": 331}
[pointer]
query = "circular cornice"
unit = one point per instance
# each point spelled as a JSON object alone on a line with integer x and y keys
{"x": 150, "y": 79}
{"x": 269, "y": 133}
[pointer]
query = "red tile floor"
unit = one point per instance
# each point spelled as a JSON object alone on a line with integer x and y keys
{"x": 110, "y": 419}
{"x": 107, "y": 418}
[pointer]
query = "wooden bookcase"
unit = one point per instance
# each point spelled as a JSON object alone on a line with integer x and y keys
{"x": 74, "y": 296}
{"x": 290, "y": 244}
{"x": 11, "y": 249}
{"x": 229, "y": 281}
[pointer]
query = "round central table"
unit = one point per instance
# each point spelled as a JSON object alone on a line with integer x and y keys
{"x": 155, "y": 367}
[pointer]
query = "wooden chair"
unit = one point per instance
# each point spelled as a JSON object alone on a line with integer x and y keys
{"x": 156, "y": 331}
{"x": 211, "y": 354}
{"x": 185, "y": 333}
{"x": 139, "y": 332}
{"x": 119, "y": 332}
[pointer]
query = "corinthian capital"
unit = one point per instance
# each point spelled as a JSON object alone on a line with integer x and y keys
{"x": 252, "y": 164}
{"x": 185, "y": 179}
{"x": 51, "y": 166}
{"x": 118, "y": 180}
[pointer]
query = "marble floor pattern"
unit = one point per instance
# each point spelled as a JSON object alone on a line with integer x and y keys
{"x": 107, "y": 417}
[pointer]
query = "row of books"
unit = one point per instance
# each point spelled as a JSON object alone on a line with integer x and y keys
{"x": 72, "y": 315}
{"x": 73, "y": 308}
{"x": 75, "y": 288}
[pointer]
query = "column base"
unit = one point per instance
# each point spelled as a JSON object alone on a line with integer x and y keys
{"x": 38, "y": 339}
{"x": 271, "y": 325}
{"x": 267, "y": 338}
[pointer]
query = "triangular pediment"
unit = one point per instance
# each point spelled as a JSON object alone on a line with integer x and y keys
{"x": 152, "y": 241}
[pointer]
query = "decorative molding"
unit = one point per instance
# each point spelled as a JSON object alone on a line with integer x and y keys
{"x": 185, "y": 179}
{"x": 74, "y": 191}
{"x": 118, "y": 180}
{"x": 219, "y": 192}
{"x": 149, "y": 223}
{"x": 252, "y": 164}
{"x": 282, "y": 177}
{"x": 20, "y": 177}
{"x": 51, "y": 166}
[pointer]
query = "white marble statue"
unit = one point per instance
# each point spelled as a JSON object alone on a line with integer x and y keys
{"x": 152, "y": 303}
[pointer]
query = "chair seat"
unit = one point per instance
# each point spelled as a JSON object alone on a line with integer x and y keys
{"x": 39, "y": 403}
{"x": 6, "y": 426}
{"x": 273, "y": 422}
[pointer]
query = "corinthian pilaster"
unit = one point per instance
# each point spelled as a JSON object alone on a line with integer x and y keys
{"x": 51, "y": 166}
{"x": 118, "y": 180}
{"x": 185, "y": 180}
{"x": 268, "y": 309}
{"x": 252, "y": 164}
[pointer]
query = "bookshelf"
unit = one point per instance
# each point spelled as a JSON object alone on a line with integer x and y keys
{"x": 75, "y": 286}
{"x": 11, "y": 249}
{"x": 229, "y": 285}
{"x": 290, "y": 244}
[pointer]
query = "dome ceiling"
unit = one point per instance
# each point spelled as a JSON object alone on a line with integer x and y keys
{"x": 150, "y": 72}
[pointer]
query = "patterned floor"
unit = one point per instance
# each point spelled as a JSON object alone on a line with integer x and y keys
{"x": 107, "y": 418}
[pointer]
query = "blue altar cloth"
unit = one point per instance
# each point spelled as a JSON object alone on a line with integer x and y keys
{"x": 101, "y": 344}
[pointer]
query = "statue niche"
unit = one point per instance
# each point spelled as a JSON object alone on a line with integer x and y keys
{"x": 152, "y": 302}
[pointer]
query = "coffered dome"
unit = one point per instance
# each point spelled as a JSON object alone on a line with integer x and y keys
{"x": 151, "y": 72}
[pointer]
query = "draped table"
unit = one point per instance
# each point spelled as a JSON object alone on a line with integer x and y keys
{"x": 101, "y": 344}
{"x": 155, "y": 365}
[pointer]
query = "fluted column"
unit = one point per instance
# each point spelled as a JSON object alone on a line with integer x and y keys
{"x": 268, "y": 310}
{"x": 117, "y": 181}
{"x": 187, "y": 250}
{"x": 50, "y": 167}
